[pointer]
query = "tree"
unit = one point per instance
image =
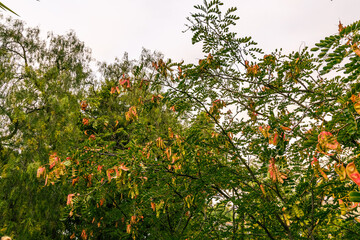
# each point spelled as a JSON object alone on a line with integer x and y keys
{"x": 283, "y": 124}
{"x": 243, "y": 145}
{"x": 123, "y": 120}
{"x": 42, "y": 83}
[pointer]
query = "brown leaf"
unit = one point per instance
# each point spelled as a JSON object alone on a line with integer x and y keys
{"x": 341, "y": 27}
{"x": 83, "y": 105}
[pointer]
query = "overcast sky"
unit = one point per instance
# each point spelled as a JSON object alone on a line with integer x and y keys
{"x": 111, "y": 27}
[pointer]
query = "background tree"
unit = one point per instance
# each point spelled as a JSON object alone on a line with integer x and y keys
{"x": 42, "y": 83}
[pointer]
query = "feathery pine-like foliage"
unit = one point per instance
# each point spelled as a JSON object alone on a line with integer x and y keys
{"x": 42, "y": 83}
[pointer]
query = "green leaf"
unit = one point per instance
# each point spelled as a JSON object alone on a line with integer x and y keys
{"x": 354, "y": 196}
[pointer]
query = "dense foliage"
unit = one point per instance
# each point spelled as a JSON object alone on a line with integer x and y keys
{"x": 41, "y": 84}
{"x": 243, "y": 145}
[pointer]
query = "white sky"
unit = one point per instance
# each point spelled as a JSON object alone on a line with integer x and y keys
{"x": 111, "y": 27}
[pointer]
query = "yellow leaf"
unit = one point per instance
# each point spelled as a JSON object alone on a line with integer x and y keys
{"x": 356, "y": 49}
{"x": 357, "y": 107}
{"x": 342, "y": 207}
{"x": 265, "y": 131}
{"x": 171, "y": 133}
{"x": 340, "y": 169}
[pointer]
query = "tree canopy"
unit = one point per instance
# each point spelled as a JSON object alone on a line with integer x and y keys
{"x": 242, "y": 145}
